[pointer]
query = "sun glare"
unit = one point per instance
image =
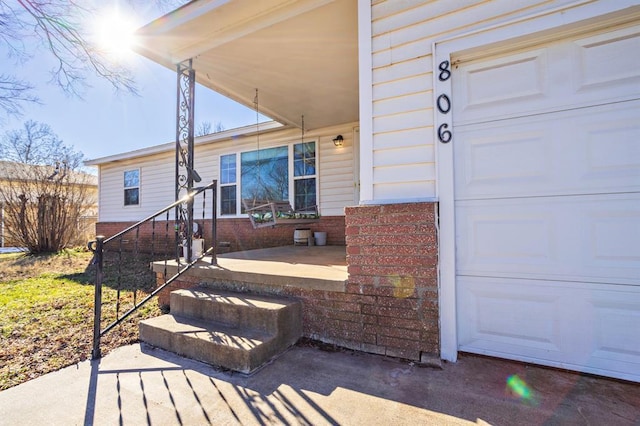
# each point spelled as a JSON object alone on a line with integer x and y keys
{"x": 114, "y": 32}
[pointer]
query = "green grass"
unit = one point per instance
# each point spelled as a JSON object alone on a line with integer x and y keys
{"x": 46, "y": 312}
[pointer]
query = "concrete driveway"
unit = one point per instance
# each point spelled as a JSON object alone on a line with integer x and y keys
{"x": 312, "y": 385}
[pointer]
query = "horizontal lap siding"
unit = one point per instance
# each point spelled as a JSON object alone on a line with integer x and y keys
{"x": 156, "y": 187}
{"x": 336, "y": 176}
{"x": 157, "y": 173}
{"x": 403, "y": 33}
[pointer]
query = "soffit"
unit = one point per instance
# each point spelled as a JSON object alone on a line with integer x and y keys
{"x": 301, "y": 55}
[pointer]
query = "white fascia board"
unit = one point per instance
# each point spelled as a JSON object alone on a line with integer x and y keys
{"x": 249, "y": 130}
{"x": 185, "y": 13}
{"x": 233, "y": 19}
{"x": 263, "y": 19}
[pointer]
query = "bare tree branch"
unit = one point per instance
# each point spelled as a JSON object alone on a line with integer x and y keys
{"x": 36, "y": 144}
{"x": 57, "y": 24}
{"x": 61, "y": 28}
{"x": 13, "y": 93}
{"x": 46, "y": 199}
{"x": 205, "y": 128}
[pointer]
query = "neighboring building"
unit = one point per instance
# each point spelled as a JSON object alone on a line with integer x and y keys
{"x": 494, "y": 146}
{"x": 31, "y": 180}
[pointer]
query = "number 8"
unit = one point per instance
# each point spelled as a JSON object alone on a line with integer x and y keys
{"x": 444, "y": 71}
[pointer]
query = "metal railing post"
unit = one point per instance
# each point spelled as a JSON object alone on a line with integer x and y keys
{"x": 214, "y": 222}
{"x": 97, "y": 247}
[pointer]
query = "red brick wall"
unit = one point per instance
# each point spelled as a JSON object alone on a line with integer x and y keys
{"x": 164, "y": 237}
{"x": 237, "y": 232}
{"x": 242, "y": 236}
{"x": 390, "y": 306}
{"x": 392, "y": 264}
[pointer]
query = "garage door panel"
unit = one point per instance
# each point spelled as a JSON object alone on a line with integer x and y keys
{"x": 615, "y": 238}
{"x": 611, "y": 159}
{"x": 587, "y": 151}
{"x": 616, "y": 328}
{"x": 546, "y": 155}
{"x": 530, "y": 316}
{"x": 582, "y": 238}
{"x": 501, "y": 236}
{"x": 511, "y": 160}
{"x": 535, "y": 321}
{"x": 607, "y": 62}
{"x": 522, "y": 77}
{"x": 585, "y": 71}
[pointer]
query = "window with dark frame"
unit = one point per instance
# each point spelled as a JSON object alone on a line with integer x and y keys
{"x": 132, "y": 187}
{"x": 228, "y": 197}
{"x": 304, "y": 175}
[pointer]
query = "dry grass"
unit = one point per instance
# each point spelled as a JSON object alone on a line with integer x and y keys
{"x": 46, "y": 311}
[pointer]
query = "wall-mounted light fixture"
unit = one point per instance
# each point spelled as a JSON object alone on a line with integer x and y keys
{"x": 338, "y": 141}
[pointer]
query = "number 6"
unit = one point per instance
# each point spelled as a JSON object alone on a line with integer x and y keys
{"x": 443, "y": 134}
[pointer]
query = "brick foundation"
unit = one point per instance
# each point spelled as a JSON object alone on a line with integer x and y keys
{"x": 390, "y": 305}
{"x": 238, "y": 233}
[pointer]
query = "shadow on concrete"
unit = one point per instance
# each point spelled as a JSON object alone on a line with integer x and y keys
{"x": 316, "y": 385}
{"x": 476, "y": 388}
{"x": 90, "y": 405}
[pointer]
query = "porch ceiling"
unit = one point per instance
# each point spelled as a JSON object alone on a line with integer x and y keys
{"x": 302, "y": 55}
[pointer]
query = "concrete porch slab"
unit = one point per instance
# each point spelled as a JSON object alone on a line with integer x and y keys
{"x": 310, "y": 267}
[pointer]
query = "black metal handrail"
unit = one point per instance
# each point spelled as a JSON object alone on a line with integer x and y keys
{"x": 98, "y": 249}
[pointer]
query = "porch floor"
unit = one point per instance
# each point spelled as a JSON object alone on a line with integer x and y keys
{"x": 310, "y": 267}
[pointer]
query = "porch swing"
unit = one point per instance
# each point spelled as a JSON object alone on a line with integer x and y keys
{"x": 265, "y": 213}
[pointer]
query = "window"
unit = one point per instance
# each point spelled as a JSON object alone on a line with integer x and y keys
{"x": 228, "y": 191}
{"x": 267, "y": 174}
{"x": 132, "y": 187}
{"x": 304, "y": 175}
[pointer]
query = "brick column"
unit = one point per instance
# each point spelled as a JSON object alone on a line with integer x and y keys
{"x": 392, "y": 261}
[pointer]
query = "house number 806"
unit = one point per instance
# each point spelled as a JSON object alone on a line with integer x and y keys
{"x": 443, "y": 103}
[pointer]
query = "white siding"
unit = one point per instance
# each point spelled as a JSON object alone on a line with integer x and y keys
{"x": 156, "y": 187}
{"x": 335, "y": 172}
{"x": 401, "y": 147}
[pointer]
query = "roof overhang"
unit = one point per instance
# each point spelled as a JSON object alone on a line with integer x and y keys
{"x": 301, "y": 55}
{"x": 225, "y": 135}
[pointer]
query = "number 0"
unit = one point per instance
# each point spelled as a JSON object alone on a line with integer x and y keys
{"x": 444, "y": 104}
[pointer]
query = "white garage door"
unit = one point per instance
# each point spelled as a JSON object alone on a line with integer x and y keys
{"x": 547, "y": 201}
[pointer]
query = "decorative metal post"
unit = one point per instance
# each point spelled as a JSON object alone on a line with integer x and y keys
{"x": 185, "y": 173}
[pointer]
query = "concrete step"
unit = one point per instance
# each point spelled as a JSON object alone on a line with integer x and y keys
{"x": 265, "y": 313}
{"x": 217, "y": 344}
{"x": 232, "y": 330}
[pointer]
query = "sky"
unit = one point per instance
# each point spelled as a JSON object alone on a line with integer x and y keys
{"x": 105, "y": 122}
